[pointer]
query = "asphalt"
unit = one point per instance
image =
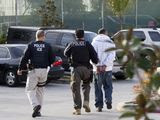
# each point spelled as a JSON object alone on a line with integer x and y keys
{"x": 58, "y": 103}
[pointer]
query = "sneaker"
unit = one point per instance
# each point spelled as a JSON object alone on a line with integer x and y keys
{"x": 99, "y": 109}
{"x": 36, "y": 111}
{"x": 109, "y": 105}
{"x": 86, "y": 106}
{"x": 77, "y": 112}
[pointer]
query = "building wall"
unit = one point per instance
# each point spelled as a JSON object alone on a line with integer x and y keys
{"x": 7, "y": 7}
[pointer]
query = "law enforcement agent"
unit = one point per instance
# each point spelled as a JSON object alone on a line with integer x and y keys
{"x": 39, "y": 56}
{"x": 80, "y": 52}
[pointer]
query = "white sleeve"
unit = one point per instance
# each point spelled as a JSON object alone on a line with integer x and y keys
{"x": 110, "y": 57}
{"x": 95, "y": 46}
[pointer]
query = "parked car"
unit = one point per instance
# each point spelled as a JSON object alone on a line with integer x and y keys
{"x": 10, "y": 55}
{"x": 148, "y": 36}
{"x": 57, "y": 38}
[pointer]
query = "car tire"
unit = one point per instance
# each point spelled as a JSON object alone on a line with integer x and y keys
{"x": 120, "y": 76}
{"x": 10, "y": 78}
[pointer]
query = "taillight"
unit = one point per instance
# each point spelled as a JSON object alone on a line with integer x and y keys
{"x": 57, "y": 63}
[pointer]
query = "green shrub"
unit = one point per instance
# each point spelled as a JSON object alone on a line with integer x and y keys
{"x": 3, "y": 38}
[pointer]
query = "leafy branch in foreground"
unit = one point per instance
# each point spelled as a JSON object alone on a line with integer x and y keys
{"x": 140, "y": 60}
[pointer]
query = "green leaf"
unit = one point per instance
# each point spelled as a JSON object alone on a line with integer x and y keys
{"x": 141, "y": 101}
{"x": 151, "y": 106}
{"x": 128, "y": 114}
{"x": 136, "y": 42}
{"x": 130, "y": 69}
{"x": 155, "y": 81}
{"x": 130, "y": 34}
{"x": 144, "y": 63}
{"x": 120, "y": 55}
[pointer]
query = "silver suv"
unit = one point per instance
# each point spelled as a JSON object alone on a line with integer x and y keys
{"x": 148, "y": 36}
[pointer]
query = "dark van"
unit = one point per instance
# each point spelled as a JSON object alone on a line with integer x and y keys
{"x": 58, "y": 38}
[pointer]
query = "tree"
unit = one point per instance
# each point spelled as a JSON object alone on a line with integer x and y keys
{"x": 35, "y": 3}
{"x": 74, "y": 6}
{"x": 48, "y": 14}
{"x": 71, "y": 7}
{"x": 118, "y": 8}
{"x": 96, "y": 5}
{"x": 32, "y": 5}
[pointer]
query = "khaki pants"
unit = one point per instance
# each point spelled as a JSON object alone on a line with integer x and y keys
{"x": 78, "y": 74}
{"x": 35, "y": 84}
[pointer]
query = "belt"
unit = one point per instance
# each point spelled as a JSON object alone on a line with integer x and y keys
{"x": 41, "y": 84}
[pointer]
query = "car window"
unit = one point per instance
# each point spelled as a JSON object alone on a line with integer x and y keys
{"x": 17, "y": 51}
{"x": 23, "y": 35}
{"x": 4, "y": 53}
{"x": 89, "y": 36}
{"x": 139, "y": 34}
{"x": 122, "y": 34}
{"x": 67, "y": 38}
{"x": 51, "y": 37}
{"x": 29, "y": 35}
{"x": 17, "y": 35}
{"x": 155, "y": 36}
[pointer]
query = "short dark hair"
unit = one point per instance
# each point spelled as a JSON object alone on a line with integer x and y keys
{"x": 79, "y": 33}
{"x": 101, "y": 31}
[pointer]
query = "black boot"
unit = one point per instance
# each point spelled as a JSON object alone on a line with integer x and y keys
{"x": 109, "y": 105}
{"x": 36, "y": 111}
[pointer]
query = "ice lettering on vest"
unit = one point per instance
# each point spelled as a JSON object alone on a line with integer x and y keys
{"x": 39, "y": 47}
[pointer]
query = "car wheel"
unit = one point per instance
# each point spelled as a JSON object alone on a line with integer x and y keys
{"x": 11, "y": 78}
{"x": 119, "y": 76}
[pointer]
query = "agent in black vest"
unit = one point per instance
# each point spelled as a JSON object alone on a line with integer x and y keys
{"x": 39, "y": 53}
{"x": 80, "y": 52}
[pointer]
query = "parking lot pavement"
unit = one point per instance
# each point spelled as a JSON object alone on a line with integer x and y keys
{"x": 64, "y": 80}
{"x": 58, "y": 103}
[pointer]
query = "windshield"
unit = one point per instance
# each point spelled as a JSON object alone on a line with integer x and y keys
{"x": 17, "y": 51}
{"x": 89, "y": 36}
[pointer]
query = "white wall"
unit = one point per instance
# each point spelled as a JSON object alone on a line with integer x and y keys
{"x": 7, "y": 7}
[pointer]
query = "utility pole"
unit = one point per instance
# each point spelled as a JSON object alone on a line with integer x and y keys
{"x": 102, "y": 13}
{"x": 62, "y": 11}
{"x": 136, "y": 16}
{"x": 16, "y": 18}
